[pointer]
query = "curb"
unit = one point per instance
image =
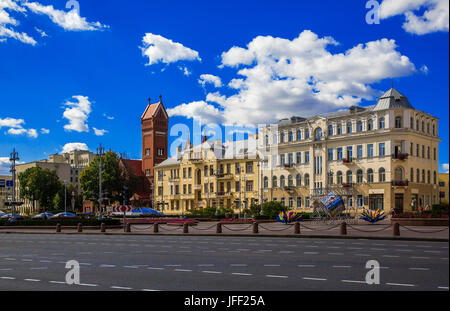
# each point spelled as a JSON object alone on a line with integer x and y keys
{"x": 300, "y": 236}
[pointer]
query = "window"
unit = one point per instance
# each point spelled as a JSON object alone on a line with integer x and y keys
{"x": 429, "y": 177}
{"x": 411, "y": 177}
{"x": 418, "y": 175}
{"x": 307, "y": 202}
{"x": 417, "y": 125}
{"x": 318, "y": 134}
{"x": 299, "y": 202}
{"x": 370, "y": 175}
{"x": 274, "y": 182}
{"x": 359, "y": 152}
{"x": 434, "y": 178}
{"x": 339, "y": 153}
{"x": 382, "y": 174}
{"x": 370, "y": 151}
{"x": 283, "y": 201}
{"x": 330, "y": 178}
{"x": 147, "y": 173}
{"x": 299, "y": 180}
{"x": 330, "y": 154}
{"x": 359, "y": 176}
{"x": 339, "y": 178}
{"x": 306, "y": 133}
{"x": 291, "y": 159}
{"x": 184, "y": 172}
{"x": 411, "y": 123}
{"x": 299, "y": 134}
{"x": 291, "y": 136}
{"x": 160, "y": 152}
{"x": 249, "y": 185}
{"x": 147, "y": 151}
{"x": 282, "y": 182}
{"x": 249, "y": 167}
{"x": 282, "y": 159}
{"x": 423, "y": 151}
{"x": 349, "y": 153}
{"x": 370, "y": 125}
{"x": 360, "y": 126}
{"x": 398, "y": 122}
{"x": 382, "y": 150}
{"x": 434, "y": 154}
{"x": 359, "y": 201}
{"x": 299, "y": 157}
{"x": 339, "y": 129}
{"x": 282, "y": 138}
{"x": 428, "y": 153}
{"x": 307, "y": 180}
{"x": 349, "y": 128}
{"x": 307, "y": 157}
{"x": 330, "y": 130}
{"x": 381, "y": 123}
{"x": 349, "y": 177}
{"x": 290, "y": 181}
{"x": 291, "y": 202}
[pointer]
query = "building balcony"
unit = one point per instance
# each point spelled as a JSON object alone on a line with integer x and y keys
{"x": 225, "y": 176}
{"x": 288, "y": 165}
{"x": 288, "y": 188}
{"x": 400, "y": 183}
{"x": 347, "y": 185}
{"x": 223, "y": 194}
{"x": 400, "y": 156}
{"x": 347, "y": 160}
{"x": 197, "y": 187}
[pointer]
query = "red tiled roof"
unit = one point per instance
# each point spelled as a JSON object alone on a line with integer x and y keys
{"x": 135, "y": 166}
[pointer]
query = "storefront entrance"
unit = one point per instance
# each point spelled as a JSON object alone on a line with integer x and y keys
{"x": 399, "y": 203}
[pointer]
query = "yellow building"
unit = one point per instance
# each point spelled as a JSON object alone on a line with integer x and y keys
{"x": 5, "y": 192}
{"x": 443, "y": 188}
{"x": 380, "y": 157}
{"x": 209, "y": 174}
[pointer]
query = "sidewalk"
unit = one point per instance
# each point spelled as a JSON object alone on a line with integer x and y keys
{"x": 383, "y": 230}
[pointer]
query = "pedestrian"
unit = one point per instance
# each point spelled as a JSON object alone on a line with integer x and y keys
{"x": 245, "y": 216}
{"x": 420, "y": 210}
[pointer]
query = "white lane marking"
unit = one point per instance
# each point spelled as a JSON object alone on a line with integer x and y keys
{"x": 398, "y": 284}
{"x": 150, "y": 290}
{"x": 57, "y": 282}
{"x": 238, "y": 273}
{"x": 420, "y": 269}
{"x": 7, "y": 278}
{"x": 418, "y": 257}
{"x": 239, "y": 265}
{"x": 314, "y": 279}
{"x": 172, "y": 265}
{"x": 213, "y": 272}
{"x": 272, "y": 265}
{"x": 337, "y": 254}
{"x": 351, "y": 281}
{"x": 243, "y": 249}
{"x": 183, "y": 270}
{"x": 32, "y": 280}
{"x": 85, "y": 264}
{"x": 276, "y": 276}
{"x": 443, "y": 287}
{"x": 46, "y": 261}
{"x": 306, "y": 266}
{"x": 377, "y": 249}
{"x": 310, "y": 253}
{"x": 206, "y": 265}
{"x": 120, "y": 287}
{"x": 88, "y": 285}
{"x": 342, "y": 267}
{"x": 107, "y": 266}
{"x": 10, "y": 259}
{"x": 152, "y": 268}
{"x": 285, "y": 252}
{"x": 131, "y": 267}
{"x": 391, "y": 256}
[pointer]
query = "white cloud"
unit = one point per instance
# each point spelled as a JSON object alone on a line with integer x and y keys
{"x": 41, "y": 32}
{"x": 4, "y": 166}
{"x": 216, "y": 97}
{"x": 21, "y": 131}
{"x": 161, "y": 50}
{"x": 185, "y": 70}
{"x": 70, "y": 20}
{"x": 211, "y": 79}
{"x": 77, "y": 114}
{"x": 445, "y": 167}
{"x": 108, "y": 117}
{"x": 74, "y": 146}
{"x": 279, "y": 77}
{"x": 11, "y": 122}
{"x": 45, "y": 131}
{"x": 8, "y": 23}
{"x": 16, "y": 127}
{"x": 99, "y": 132}
{"x": 435, "y": 14}
{"x": 199, "y": 109}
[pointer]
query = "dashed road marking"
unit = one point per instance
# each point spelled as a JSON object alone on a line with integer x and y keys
{"x": 276, "y": 276}
{"x": 244, "y": 274}
{"x": 314, "y": 279}
{"x": 399, "y": 284}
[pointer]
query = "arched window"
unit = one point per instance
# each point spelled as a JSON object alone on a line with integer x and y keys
{"x": 360, "y": 126}
{"x": 267, "y": 140}
{"x": 318, "y": 134}
{"x": 282, "y": 182}
{"x": 290, "y": 181}
{"x": 330, "y": 130}
{"x": 274, "y": 182}
{"x": 299, "y": 180}
{"x": 398, "y": 122}
{"x": 398, "y": 174}
{"x": 428, "y": 128}
{"x": 434, "y": 130}
{"x": 370, "y": 125}
{"x": 359, "y": 176}
{"x": 339, "y": 178}
{"x": 370, "y": 175}
{"x": 330, "y": 178}
{"x": 349, "y": 177}
{"x": 307, "y": 180}
{"x": 381, "y": 123}
{"x": 382, "y": 175}
{"x": 349, "y": 127}
{"x": 266, "y": 182}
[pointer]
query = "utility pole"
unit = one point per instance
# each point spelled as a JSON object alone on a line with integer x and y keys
{"x": 217, "y": 190}
{"x": 262, "y": 188}
{"x": 100, "y": 153}
{"x": 65, "y": 196}
{"x": 240, "y": 192}
{"x": 14, "y": 156}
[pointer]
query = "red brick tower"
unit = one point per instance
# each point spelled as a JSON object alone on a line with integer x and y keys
{"x": 155, "y": 127}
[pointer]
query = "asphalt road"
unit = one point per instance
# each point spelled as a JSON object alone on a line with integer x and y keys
{"x": 195, "y": 263}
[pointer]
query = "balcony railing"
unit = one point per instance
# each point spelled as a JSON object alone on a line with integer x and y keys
{"x": 400, "y": 183}
{"x": 347, "y": 160}
{"x": 347, "y": 185}
{"x": 401, "y": 156}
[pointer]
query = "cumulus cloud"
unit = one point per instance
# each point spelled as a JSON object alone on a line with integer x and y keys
{"x": 185, "y": 70}
{"x": 199, "y": 109}
{"x": 108, "y": 117}
{"x": 4, "y": 166}
{"x": 161, "y": 50}
{"x": 70, "y": 20}
{"x": 21, "y": 131}
{"x": 217, "y": 98}
{"x": 299, "y": 77}
{"x": 74, "y": 146}
{"x": 77, "y": 114}
{"x": 435, "y": 14}
{"x": 16, "y": 127}
{"x": 45, "y": 131}
{"x": 210, "y": 79}
{"x": 11, "y": 122}
{"x": 445, "y": 167}
{"x": 99, "y": 132}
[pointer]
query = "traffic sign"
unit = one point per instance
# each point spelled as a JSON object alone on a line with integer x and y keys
{"x": 123, "y": 209}
{"x": 9, "y": 183}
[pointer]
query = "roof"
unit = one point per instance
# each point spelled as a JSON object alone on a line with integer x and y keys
{"x": 392, "y": 99}
{"x": 152, "y": 110}
{"x": 135, "y": 166}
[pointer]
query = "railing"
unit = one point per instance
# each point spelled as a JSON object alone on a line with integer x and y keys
{"x": 347, "y": 160}
{"x": 400, "y": 183}
{"x": 401, "y": 156}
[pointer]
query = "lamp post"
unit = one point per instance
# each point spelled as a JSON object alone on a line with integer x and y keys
{"x": 260, "y": 167}
{"x": 65, "y": 196}
{"x": 14, "y": 156}
{"x": 100, "y": 153}
{"x": 73, "y": 201}
{"x": 217, "y": 190}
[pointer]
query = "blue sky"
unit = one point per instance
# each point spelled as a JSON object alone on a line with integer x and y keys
{"x": 99, "y": 66}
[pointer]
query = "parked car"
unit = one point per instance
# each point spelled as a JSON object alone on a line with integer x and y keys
{"x": 8, "y": 216}
{"x": 43, "y": 216}
{"x": 64, "y": 215}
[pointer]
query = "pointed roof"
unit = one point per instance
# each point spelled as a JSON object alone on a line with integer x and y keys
{"x": 188, "y": 144}
{"x": 392, "y": 99}
{"x": 153, "y": 109}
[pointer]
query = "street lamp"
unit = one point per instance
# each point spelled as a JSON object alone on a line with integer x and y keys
{"x": 100, "y": 153}
{"x": 73, "y": 201}
{"x": 65, "y": 196}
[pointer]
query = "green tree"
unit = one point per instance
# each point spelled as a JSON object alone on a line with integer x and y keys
{"x": 39, "y": 184}
{"x": 270, "y": 209}
{"x": 113, "y": 179}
